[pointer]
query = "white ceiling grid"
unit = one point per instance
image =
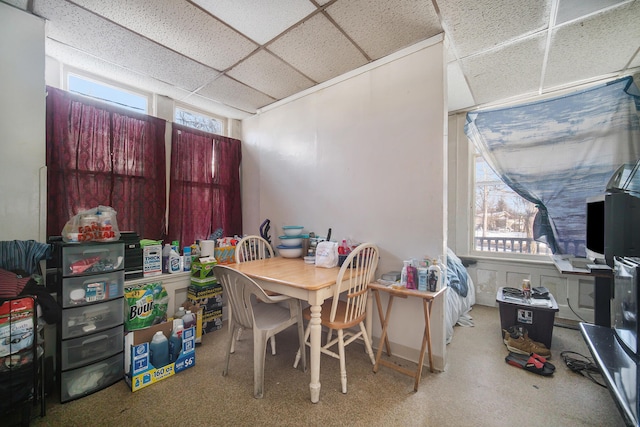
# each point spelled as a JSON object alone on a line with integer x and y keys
{"x": 233, "y": 57}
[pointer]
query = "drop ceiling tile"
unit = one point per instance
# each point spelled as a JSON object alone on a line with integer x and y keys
{"x": 510, "y": 71}
{"x": 180, "y": 26}
{"x": 71, "y": 57}
{"x": 318, "y": 49}
{"x": 95, "y": 36}
{"x": 235, "y": 94}
{"x": 259, "y": 20}
{"x": 601, "y": 44}
{"x": 573, "y": 9}
{"x": 385, "y": 26}
{"x": 478, "y": 25}
{"x": 270, "y": 75}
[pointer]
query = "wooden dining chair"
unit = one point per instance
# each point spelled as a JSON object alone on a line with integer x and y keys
{"x": 265, "y": 319}
{"x": 347, "y": 315}
{"x": 251, "y": 248}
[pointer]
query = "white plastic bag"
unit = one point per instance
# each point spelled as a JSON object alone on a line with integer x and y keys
{"x": 327, "y": 254}
{"x": 97, "y": 224}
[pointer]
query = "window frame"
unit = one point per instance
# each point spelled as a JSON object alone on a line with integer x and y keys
{"x": 191, "y": 109}
{"x": 474, "y": 155}
{"x": 70, "y": 71}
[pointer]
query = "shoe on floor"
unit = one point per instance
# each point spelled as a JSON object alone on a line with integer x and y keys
{"x": 524, "y": 345}
{"x": 517, "y": 331}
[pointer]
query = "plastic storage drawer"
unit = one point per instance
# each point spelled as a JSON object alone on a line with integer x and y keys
{"x": 537, "y": 320}
{"x": 82, "y": 290}
{"x": 92, "y": 318}
{"x": 87, "y": 349}
{"x": 83, "y": 381}
{"x": 85, "y": 258}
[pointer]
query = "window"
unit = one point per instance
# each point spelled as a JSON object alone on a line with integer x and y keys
{"x": 107, "y": 93}
{"x": 503, "y": 221}
{"x": 200, "y": 121}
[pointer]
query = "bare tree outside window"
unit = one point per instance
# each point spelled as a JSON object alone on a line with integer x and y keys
{"x": 503, "y": 220}
{"x": 198, "y": 121}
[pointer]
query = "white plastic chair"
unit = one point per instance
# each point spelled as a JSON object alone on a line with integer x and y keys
{"x": 356, "y": 273}
{"x": 251, "y": 248}
{"x": 266, "y": 318}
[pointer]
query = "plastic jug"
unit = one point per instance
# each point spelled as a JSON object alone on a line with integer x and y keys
{"x": 189, "y": 319}
{"x": 159, "y": 347}
{"x": 175, "y": 344}
{"x": 174, "y": 262}
{"x": 179, "y": 313}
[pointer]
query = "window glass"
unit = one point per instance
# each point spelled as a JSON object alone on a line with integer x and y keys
{"x": 503, "y": 221}
{"x": 111, "y": 94}
{"x": 198, "y": 121}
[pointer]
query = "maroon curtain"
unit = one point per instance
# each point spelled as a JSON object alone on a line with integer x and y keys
{"x": 205, "y": 185}
{"x": 98, "y": 154}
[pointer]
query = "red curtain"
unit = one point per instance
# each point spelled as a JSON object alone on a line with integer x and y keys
{"x": 205, "y": 185}
{"x": 98, "y": 154}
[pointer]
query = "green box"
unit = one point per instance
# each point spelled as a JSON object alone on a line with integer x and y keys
{"x": 202, "y": 270}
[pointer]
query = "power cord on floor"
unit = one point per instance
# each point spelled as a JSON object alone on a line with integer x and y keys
{"x": 574, "y": 312}
{"x": 581, "y": 365}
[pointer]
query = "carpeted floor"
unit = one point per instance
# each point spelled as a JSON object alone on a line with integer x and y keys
{"x": 477, "y": 389}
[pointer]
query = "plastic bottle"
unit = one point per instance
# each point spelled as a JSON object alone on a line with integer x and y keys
{"x": 412, "y": 276}
{"x": 434, "y": 279}
{"x": 174, "y": 262}
{"x": 423, "y": 274}
{"x": 403, "y": 273}
{"x": 175, "y": 344}
{"x": 343, "y": 249}
{"x": 186, "y": 255}
{"x": 526, "y": 288}
{"x": 179, "y": 313}
{"x": 188, "y": 319}
{"x": 195, "y": 251}
{"x": 159, "y": 347}
{"x": 166, "y": 252}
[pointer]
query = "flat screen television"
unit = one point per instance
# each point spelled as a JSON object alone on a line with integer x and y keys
{"x": 594, "y": 238}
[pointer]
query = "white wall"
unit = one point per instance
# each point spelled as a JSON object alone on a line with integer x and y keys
{"x": 366, "y": 157}
{"x": 22, "y": 126}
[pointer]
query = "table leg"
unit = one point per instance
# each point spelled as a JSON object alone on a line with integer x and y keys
{"x": 383, "y": 337}
{"x": 382, "y": 318}
{"x": 426, "y": 342}
{"x": 316, "y": 331}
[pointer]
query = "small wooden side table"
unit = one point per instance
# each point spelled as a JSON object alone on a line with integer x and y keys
{"x": 427, "y": 300}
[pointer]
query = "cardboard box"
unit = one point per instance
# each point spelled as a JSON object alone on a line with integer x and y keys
{"x": 139, "y": 372}
{"x": 206, "y": 296}
{"x": 225, "y": 254}
{"x": 152, "y": 260}
{"x": 212, "y": 321}
{"x": 202, "y": 270}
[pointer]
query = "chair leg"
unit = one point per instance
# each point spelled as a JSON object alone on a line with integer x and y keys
{"x": 225, "y": 371}
{"x": 329, "y": 335}
{"x": 343, "y": 368}
{"x": 301, "y": 342}
{"x": 302, "y": 348}
{"x": 259, "y": 348}
{"x": 273, "y": 345}
{"x": 367, "y": 344}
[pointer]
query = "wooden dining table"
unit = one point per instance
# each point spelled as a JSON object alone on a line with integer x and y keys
{"x": 295, "y": 278}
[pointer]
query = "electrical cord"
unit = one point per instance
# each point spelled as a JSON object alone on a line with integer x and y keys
{"x": 581, "y": 365}
{"x": 573, "y": 311}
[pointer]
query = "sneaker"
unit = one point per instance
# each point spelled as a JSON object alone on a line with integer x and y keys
{"x": 524, "y": 345}
{"x": 518, "y": 331}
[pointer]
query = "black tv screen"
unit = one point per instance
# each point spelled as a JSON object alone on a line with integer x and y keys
{"x": 595, "y": 226}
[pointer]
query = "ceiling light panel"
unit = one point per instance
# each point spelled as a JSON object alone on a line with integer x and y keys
{"x": 260, "y": 21}
{"x": 385, "y": 26}
{"x": 318, "y": 49}
{"x": 179, "y": 26}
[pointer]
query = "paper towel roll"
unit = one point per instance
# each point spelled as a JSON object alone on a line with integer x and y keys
{"x": 206, "y": 247}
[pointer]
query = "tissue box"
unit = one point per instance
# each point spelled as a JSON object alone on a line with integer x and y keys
{"x": 203, "y": 271}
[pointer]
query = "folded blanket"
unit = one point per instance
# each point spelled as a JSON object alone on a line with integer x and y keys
{"x": 456, "y": 274}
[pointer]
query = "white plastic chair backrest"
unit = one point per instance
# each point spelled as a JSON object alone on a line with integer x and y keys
{"x": 239, "y": 288}
{"x": 250, "y": 248}
{"x": 356, "y": 273}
